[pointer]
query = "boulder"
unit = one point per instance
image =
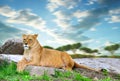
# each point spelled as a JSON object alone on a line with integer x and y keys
{"x": 12, "y": 46}
{"x": 39, "y": 70}
{"x": 9, "y": 57}
{"x": 0, "y": 50}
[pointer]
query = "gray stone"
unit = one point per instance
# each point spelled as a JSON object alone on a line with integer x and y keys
{"x": 12, "y": 46}
{"x": 38, "y": 70}
{"x": 0, "y": 50}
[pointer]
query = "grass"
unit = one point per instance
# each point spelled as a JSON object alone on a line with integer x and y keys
{"x": 8, "y": 73}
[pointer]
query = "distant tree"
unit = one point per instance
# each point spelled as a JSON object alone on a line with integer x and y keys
{"x": 67, "y": 47}
{"x": 86, "y": 49}
{"x": 60, "y": 48}
{"x": 49, "y": 47}
{"x": 75, "y": 46}
{"x": 112, "y": 48}
{"x": 64, "y": 48}
{"x": 95, "y": 51}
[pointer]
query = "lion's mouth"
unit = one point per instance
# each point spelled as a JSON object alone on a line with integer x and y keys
{"x": 26, "y": 47}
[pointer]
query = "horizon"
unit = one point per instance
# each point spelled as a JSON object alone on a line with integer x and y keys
{"x": 94, "y": 23}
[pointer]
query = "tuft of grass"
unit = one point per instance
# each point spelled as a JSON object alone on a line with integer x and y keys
{"x": 78, "y": 77}
{"x": 106, "y": 79}
{"x": 105, "y": 72}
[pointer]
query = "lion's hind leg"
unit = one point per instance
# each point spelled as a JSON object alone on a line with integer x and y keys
{"x": 67, "y": 61}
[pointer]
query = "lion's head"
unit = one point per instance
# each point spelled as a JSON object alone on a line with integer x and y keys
{"x": 29, "y": 40}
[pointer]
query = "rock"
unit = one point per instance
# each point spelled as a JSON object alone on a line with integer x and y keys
{"x": 110, "y": 64}
{"x": 12, "y": 46}
{"x": 14, "y": 58}
{"x": 0, "y": 50}
{"x": 38, "y": 70}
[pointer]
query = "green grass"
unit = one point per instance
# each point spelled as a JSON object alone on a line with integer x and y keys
{"x": 8, "y": 73}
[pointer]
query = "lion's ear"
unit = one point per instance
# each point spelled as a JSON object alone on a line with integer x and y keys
{"x": 35, "y": 35}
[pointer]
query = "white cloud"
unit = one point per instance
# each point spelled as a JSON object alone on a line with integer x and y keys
{"x": 114, "y": 28}
{"x": 114, "y": 11}
{"x": 62, "y": 19}
{"x": 114, "y": 19}
{"x": 90, "y": 2}
{"x": 80, "y": 14}
{"x": 7, "y": 11}
{"x": 93, "y": 29}
{"x": 26, "y": 17}
{"x": 114, "y": 16}
{"x": 108, "y": 43}
{"x": 62, "y": 15}
{"x": 62, "y": 23}
{"x": 54, "y": 4}
{"x": 88, "y": 41}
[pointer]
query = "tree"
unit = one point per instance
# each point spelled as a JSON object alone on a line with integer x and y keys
{"x": 95, "y": 51}
{"x": 112, "y": 48}
{"x": 87, "y": 50}
{"x": 64, "y": 48}
{"x": 75, "y": 46}
{"x": 67, "y": 47}
{"x": 49, "y": 47}
{"x": 60, "y": 48}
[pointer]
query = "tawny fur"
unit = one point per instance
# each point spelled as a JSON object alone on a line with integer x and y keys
{"x": 39, "y": 56}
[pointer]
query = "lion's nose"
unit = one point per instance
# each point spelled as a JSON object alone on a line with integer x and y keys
{"x": 25, "y": 43}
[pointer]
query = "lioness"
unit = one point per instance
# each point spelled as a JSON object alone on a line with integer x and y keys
{"x": 35, "y": 54}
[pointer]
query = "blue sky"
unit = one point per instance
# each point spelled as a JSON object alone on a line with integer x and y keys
{"x": 94, "y": 23}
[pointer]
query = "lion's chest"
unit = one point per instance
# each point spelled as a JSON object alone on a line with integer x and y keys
{"x": 28, "y": 56}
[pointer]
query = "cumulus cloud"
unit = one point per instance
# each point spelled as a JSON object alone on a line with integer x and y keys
{"x": 93, "y": 29}
{"x": 62, "y": 23}
{"x": 108, "y": 43}
{"x": 108, "y": 2}
{"x": 62, "y": 19}
{"x": 115, "y": 28}
{"x": 80, "y": 14}
{"x": 114, "y": 11}
{"x": 114, "y": 19}
{"x": 26, "y": 17}
{"x": 22, "y": 16}
{"x": 7, "y": 32}
{"x": 7, "y": 11}
{"x": 62, "y": 15}
{"x": 91, "y": 2}
{"x": 54, "y": 4}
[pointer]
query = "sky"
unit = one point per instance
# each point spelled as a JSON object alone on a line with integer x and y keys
{"x": 94, "y": 23}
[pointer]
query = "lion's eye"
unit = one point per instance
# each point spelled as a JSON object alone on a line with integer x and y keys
{"x": 24, "y": 39}
{"x": 30, "y": 39}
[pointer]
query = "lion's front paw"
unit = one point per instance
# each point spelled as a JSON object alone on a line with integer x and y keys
{"x": 21, "y": 66}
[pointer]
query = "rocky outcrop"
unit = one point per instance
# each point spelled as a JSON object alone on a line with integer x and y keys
{"x": 0, "y": 50}
{"x": 12, "y": 46}
{"x": 110, "y": 64}
{"x": 37, "y": 70}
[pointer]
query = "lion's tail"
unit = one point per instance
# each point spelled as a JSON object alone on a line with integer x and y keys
{"x": 76, "y": 65}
